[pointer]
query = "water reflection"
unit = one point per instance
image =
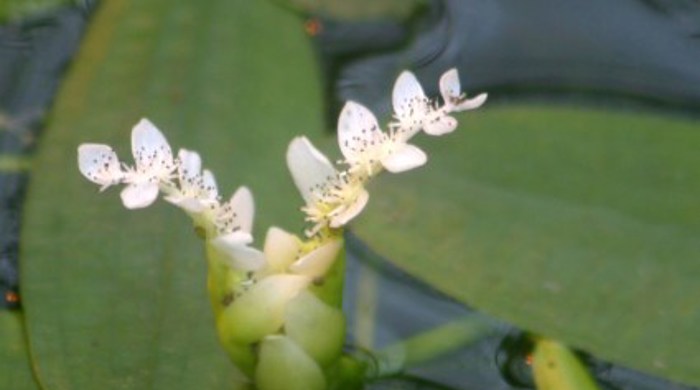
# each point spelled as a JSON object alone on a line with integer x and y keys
{"x": 33, "y": 54}
{"x": 643, "y": 51}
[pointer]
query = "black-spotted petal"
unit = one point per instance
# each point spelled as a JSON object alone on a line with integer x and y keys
{"x": 99, "y": 164}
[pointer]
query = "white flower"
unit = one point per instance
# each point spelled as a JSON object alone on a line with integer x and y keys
{"x": 234, "y": 221}
{"x": 332, "y": 198}
{"x": 366, "y": 147}
{"x": 451, "y": 91}
{"x": 197, "y": 190}
{"x": 99, "y": 164}
{"x": 414, "y": 111}
{"x": 154, "y": 166}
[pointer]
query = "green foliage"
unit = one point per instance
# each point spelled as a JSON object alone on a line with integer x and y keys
{"x": 116, "y": 298}
{"x": 577, "y": 224}
{"x": 14, "y": 356}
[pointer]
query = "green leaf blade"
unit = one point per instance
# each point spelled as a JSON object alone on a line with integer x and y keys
{"x": 117, "y": 298}
{"x": 576, "y": 224}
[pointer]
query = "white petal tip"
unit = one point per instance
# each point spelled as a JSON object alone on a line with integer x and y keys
{"x": 138, "y": 196}
{"x": 407, "y": 158}
{"x": 470, "y": 104}
{"x": 440, "y": 126}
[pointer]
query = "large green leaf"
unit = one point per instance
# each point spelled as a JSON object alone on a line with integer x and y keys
{"x": 116, "y": 299}
{"x": 15, "y": 370}
{"x": 582, "y": 225}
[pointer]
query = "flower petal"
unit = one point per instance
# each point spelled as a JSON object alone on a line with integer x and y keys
{"x": 99, "y": 164}
{"x": 439, "y": 124}
{"x": 409, "y": 101}
{"x": 470, "y": 104}
{"x": 189, "y": 204}
{"x": 281, "y": 249}
{"x": 209, "y": 183}
{"x": 241, "y": 256}
{"x": 189, "y": 168}
{"x": 139, "y": 195}
{"x": 408, "y": 98}
{"x": 243, "y": 208}
{"x": 450, "y": 88}
{"x": 310, "y": 169}
{"x": 358, "y": 132}
{"x": 404, "y": 159}
{"x": 317, "y": 262}
{"x": 351, "y": 210}
{"x": 150, "y": 148}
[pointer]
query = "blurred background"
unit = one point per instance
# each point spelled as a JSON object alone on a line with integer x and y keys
{"x": 568, "y": 207}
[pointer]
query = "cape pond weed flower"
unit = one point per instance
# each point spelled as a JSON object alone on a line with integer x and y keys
{"x": 154, "y": 165}
{"x": 413, "y": 111}
{"x": 334, "y": 197}
{"x": 278, "y": 310}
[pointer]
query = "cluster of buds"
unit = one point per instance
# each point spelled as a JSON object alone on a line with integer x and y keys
{"x": 278, "y": 310}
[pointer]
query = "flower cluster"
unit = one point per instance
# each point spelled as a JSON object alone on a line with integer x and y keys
{"x": 334, "y": 197}
{"x": 181, "y": 180}
{"x": 242, "y": 279}
{"x": 278, "y": 310}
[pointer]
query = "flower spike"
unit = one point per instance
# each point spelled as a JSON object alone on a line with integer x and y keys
{"x": 269, "y": 304}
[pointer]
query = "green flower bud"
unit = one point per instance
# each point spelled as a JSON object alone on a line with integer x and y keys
{"x": 318, "y": 328}
{"x": 259, "y": 311}
{"x": 283, "y": 365}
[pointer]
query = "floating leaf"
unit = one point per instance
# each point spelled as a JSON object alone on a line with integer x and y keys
{"x": 14, "y": 354}
{"x": 117, "y": 298}
{"x": 577, "y": 224}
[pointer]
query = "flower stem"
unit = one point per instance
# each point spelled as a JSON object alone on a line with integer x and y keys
{"x": 431, "y": 344}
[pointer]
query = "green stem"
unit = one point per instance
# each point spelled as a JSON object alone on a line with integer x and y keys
{"x": 431, "y": 344}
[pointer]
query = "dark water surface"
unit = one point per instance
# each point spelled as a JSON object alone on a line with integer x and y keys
{"x": 632, "y": 52}
{"x": 33, "y": 56}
